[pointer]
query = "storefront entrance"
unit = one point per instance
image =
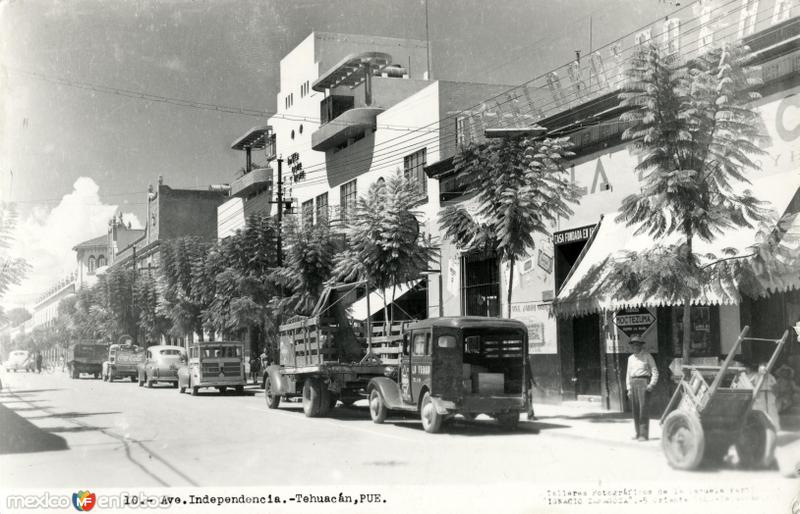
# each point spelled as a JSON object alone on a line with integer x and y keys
{"x": 586, "y": 333}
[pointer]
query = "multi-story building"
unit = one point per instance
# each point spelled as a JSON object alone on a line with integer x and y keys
{"x": 353, "y": 110}
{"x": 581, "y": 353}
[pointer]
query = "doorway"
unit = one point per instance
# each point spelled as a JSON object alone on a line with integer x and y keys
{"x": 586, "y": 337}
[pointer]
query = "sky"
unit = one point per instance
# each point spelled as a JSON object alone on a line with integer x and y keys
{"x": 71, "y": 157}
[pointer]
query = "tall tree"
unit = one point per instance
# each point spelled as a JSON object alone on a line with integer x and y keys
{"x": 309, "y": 258}
{"x": 696, "y": 131}
{"x": 521, "y": 186}
{"x": 386, "y": 247}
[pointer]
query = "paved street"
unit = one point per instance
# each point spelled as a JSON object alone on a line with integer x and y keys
{"x": 112, "y": 435}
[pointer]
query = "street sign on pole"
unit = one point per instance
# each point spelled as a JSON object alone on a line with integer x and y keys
{"x": 634, "y": 322}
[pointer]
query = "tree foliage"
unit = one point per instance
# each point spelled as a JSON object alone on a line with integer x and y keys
{"x": 697, "y": 133}
{"x": 385, "y": 246}
{"x": 521, "y": 187}
{"x": 12, "y": 269}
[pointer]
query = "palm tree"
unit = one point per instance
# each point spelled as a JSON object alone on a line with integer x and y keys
{"x": 521, "y": 187}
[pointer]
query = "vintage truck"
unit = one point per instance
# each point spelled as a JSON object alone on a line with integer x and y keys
{"x": 85, "y": 357}
{"x": 123, "y": 362}
{"x": 218, "y": 364}
{"x": 438, "y": 367}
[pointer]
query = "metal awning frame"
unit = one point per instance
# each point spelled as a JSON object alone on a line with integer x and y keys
{"x": 352, "y": 70}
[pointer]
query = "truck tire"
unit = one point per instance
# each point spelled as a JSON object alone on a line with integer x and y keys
{"x": 273, "y": 400}
{"x": 222, "y": 389}
{"x": 377, "y": 407}
{"x": 431, "y": 420}
{"x": 239, "y": 390}
{"x": 313, "y": 400}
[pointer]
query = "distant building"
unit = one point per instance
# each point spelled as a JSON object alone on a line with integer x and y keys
{"x": 171, "y": 214}
{"x": 90, "y": 255}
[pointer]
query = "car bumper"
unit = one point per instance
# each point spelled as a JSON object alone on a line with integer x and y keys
{"x": 481, "y": 404}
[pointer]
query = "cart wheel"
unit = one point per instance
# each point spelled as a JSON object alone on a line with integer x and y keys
{"x": 682, "y": 440}
{"x": 431, "y": 420}
{"x": 273, "y": 400}
{"x": 377, "y": 407}
{"x": 756, "y": 443}
{"x": 312, "y": 397}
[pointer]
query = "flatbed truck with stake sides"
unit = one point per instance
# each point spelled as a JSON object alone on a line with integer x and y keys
{"x": 438, "y": 367}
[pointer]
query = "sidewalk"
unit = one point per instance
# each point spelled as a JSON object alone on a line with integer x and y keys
{"x": 586, "y": 420}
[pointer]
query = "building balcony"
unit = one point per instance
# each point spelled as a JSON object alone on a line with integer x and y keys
{"x": 254, "y": 182}
{"x": 351, "y": 124}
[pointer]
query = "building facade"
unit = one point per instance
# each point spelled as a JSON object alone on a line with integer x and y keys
{"x": 582, "y": 355}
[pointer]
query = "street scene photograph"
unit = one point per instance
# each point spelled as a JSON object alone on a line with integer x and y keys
{"x": 380, "y": 256}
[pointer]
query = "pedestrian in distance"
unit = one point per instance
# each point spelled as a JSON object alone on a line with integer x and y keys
{"x": 641, "y": 378}
{"x": 38, "y": 362}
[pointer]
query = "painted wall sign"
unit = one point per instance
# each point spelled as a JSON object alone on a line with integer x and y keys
{"x": 545, "y": 261}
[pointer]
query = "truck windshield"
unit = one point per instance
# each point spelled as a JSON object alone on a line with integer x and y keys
{"x": 171, "y": 353}
{"x": 208, "y": 352}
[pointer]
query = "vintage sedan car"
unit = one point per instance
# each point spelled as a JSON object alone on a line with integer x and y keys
{"x": 19, "y": 360}
{"x": 217, "y": 364}
{"x": 161, "y": 363}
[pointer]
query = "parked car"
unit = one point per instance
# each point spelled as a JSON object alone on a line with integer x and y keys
{"x": 19, "y": 360}
{"x": 161, "y": 363}
{"x": 217, "y": 364}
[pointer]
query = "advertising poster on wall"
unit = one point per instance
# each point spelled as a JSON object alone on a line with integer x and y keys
{"x": 541, "y": 327}
{"x": 640, "y": 322}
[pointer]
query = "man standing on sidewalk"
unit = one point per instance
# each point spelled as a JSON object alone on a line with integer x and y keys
{"x": 641, "y": 378}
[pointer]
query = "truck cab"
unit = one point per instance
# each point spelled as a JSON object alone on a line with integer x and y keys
{"x": 217, "y": 364}
{"x": 459, "y": 365}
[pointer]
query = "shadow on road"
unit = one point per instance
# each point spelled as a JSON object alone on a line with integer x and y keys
{"x": 72, "y": 414}
{"x": 21, "y": 436}
{"x": 596, "y": 417}
{"x": 74, "y": 429}
{"x": 21, "y": 392}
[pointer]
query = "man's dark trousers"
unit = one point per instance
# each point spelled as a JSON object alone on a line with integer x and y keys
{"x": 639, "y": 396}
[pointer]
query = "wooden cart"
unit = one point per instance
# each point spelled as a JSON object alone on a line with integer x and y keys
{"x": 712, "y": 410}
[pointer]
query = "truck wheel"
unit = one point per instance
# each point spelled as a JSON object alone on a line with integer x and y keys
{"x": 431, "y": 420}
{"x": 312, "y": 397}
{"x": 240, "y": 390}
{"x": 508, "y": 420}
{"x": 683, "y": 440}
{"x": 377, "y": 407}
{"x": 222, "y": 389}
{"x": 273, "y": 400}
{"x": 756, "y": 443}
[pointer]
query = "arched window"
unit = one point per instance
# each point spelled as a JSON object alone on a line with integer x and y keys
{"x": 92, "y": 264}
{"x": 101, "y": 261}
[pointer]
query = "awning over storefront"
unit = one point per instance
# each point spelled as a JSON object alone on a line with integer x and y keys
{"x": 579, "y": 296}
{"x": 359, "y": 307}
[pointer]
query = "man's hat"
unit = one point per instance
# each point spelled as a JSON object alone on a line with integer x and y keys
{"x": 636, "y": 340}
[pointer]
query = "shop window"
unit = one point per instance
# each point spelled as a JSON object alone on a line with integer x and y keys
{"x": 705, "y": 331}
{"x": 480, "y": 291}
{"x": 347, "y": 194}
{"x": 413, "y": 169}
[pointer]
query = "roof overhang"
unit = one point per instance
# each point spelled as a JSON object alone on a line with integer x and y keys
{"x": 352, "y": 70}
{"x": 499, "y": 132}
{"x": 255, "y": 138}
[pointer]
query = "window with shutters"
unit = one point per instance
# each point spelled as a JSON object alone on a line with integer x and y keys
{"x": 413, "y": 169}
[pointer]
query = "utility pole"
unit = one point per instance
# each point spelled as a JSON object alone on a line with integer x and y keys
{"x": 280, "y": 210}
{"x": 427, "y": 42}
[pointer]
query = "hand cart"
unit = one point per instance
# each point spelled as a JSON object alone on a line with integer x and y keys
{"x": 703, "y": 420}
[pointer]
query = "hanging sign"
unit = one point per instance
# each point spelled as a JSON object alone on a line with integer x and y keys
{"x": 634, "y": 322}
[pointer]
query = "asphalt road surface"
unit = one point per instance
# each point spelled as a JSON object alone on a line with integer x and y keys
{"x": 70, "y": 433}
